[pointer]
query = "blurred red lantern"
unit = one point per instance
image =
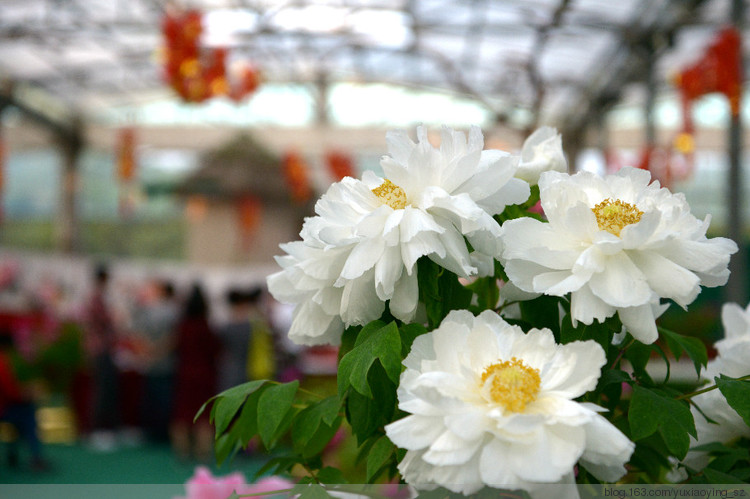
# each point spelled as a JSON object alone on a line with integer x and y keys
{"x": 340, "y": 164}
{"x": 295, "y": 172}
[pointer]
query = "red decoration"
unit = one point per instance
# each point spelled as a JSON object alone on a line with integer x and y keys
{"x": 249, "y": 211}
{"x": 126, "y": 170}
{"x": 295, "y": 171}
{"x": 340, "y": 164}
{"x": 195, "y": 74}
{"x": 126, "y": 155}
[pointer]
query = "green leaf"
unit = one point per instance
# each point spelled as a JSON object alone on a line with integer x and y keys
{"x": 331, "y": 475}
{"x": 601, "y": 333}
{"x": 639, "y": 354}
{"x": 320, "y": 439}
{"x": 373, "y": 343}
{"x": 234, "y": 495}
{"x": 737, "y": 394}
{"x": 366, "y": 415}
{"x": 228, "y": 402}
{"x": 613, "y": 377}
{"x": 693, "y": 347}
{"x": 311, "y": 491}
{"x": 542, "y": 312}
{"x": 651, "y": 411}
{"x": 379, "y": 454}
{"x": 274, "y": 405}
{"x": 715, "y": 476}
{"x": 440, "y": 291}
{"x": 487, "y": 291}
{"x": 309, "y": 420}
{"x": 410, "y": 332}
{"x": 225, "y": 446}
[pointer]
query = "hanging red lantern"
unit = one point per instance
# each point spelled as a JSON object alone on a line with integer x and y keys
{"x": 197, "y": 75}
{"x": 340, "y": 164}
{"x": 295, "y": 172}
{"x": 249, "y": 211}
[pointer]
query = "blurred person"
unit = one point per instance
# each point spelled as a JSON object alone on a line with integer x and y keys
{"x": 17, "y": 407}
{"x": 102, "y": 339}
{"x": 195, "y": 382}
{"x": 154, "y": 323}
{"x": 235, "y": 340}
{"x": 262, "y": 360}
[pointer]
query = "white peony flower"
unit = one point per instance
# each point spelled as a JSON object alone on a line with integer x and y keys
{"x": 733, "y": 352}
{"x": 492, "y": 406}
{"x": 542, "y": 151}
{"x": 361, "y": 248}
{"x": 616, "y": 244}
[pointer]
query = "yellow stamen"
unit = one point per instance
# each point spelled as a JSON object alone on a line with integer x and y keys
{"x": 391, "y": 194}
{"x": 513, "y": 384}
{"x": 613, "y": 216}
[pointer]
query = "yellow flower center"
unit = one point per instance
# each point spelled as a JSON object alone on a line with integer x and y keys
{"x": 513, "y": 384}
{"x": 391, "y": 194}
{"x": 613, "y": 216}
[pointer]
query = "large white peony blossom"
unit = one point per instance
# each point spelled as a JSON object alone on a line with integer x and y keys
{"x": 732, "y": 361}
{"x": 492, "y": 406}
{"x": 542, "y": 151}
{"x": 616, "y": 244}
{"x": 361, "y": 248}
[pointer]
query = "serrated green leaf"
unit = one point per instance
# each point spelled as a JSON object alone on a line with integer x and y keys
{"x": 274, "y": 405}
{"x": 693, "y": 347}
{"x": 229, "y": 402}
{"x": 651, "y": 411}
{"x": 383, "y": 344}
{"x": 737, "y": 394}
{"x": 278, "y": 465}
{"x": 378, "y": 456}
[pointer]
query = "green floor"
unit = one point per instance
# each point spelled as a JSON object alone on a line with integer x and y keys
{"x": 145, "y": 471}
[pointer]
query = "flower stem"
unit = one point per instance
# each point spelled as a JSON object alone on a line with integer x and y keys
{"x": 707, "y": 389}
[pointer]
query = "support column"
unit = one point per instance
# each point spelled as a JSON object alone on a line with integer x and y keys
{"x": 736, "y": 290}
{"x": 67, "y": 229}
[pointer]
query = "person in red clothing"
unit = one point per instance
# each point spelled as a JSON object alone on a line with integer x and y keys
{"x": 196, "y": 378}
{"x": 17, "y": 407}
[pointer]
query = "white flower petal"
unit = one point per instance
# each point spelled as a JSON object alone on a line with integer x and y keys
{"x": 640, "y": 322}
{"x": 621, "y": 284}
{"x": 607, "y": 450}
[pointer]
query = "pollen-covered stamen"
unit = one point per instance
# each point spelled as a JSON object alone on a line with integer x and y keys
{"x": 391, "y": 194}
{"x": 613, "y": 216}
{"x": 511, "y": 384}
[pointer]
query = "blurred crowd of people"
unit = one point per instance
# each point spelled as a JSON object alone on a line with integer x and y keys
{"x": 148, "y": 357}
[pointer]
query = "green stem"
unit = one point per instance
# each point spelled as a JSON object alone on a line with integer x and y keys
{"x": 707, "y": 389}
{"x": 622, "y": 352}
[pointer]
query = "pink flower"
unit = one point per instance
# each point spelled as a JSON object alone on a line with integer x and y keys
{"x": 203, "y": 485}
